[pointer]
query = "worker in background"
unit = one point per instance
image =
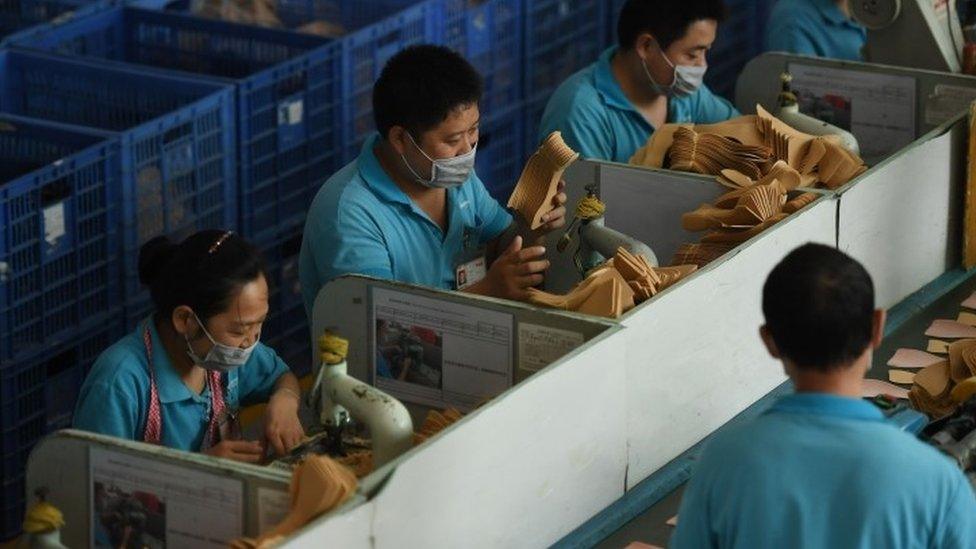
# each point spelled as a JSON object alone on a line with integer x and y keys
{"x": 822, "y": 467}
{"x": 653, "y": 76}
{"x": 822, "y": 28}
{"x": 411, "y": 207}
{"x": 180, "y": 377}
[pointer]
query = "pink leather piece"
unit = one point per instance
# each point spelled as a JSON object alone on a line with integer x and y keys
{"x": 912, "y": 359}
{"x": 950, "y": 329}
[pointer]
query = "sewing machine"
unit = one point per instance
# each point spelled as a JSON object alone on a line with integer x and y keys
{"x": 925, "y": 34}
{"x": 789, "y": 112}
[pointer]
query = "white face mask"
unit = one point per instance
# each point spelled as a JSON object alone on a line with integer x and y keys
{"x": 220, "y": 358}
{"x": 445, "y": 173}
{"x": 686, "y": 81}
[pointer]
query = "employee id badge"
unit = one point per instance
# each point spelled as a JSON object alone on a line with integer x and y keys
{"x": 470, "y": 265}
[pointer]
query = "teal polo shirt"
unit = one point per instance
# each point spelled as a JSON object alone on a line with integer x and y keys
{"x": 817, "y": 471}
{"x": 597, "y": 120}
{"x": 360, "y": 222}
{"x": 814, "y": 27}
{"x": 114, "y": 399}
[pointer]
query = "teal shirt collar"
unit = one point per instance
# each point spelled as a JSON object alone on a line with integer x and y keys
{"x": 171, "y": 387}
{"x": 822, "y": 404}
{"x": 376, "y": 177}
{"x": 607, "y": 85}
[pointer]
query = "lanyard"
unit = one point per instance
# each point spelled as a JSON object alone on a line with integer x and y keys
{"x": 153, "y": 432}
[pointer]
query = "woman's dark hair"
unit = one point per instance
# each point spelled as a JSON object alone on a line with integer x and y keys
{"x": 204, "y": 272}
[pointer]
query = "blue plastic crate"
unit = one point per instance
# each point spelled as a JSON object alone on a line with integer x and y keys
{"x": 38, "y": 396}
{"x": 19, "y": 14}
{"x": 365, "y": 52}
{"x": 177, "y": 138}
{"x": 561, "y": 37}
{"x": 287, "y": 94}
{"x": 59, "y": 243}
{"x": 488, "y": 34}
{"x": 286, "y": 330}
{"x": 534, "y": 108}
{"x": 501, "y": 153}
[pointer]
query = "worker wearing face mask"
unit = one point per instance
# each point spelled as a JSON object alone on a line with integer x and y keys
{"x": 654, "y": 76}
{"x": 179, "y": 378}
{"x": 410, "y": 207}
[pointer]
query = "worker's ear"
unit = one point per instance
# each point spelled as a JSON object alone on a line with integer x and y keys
{"x": 645, "y": 46}
{"x": 399, "y": 140}
{"x": 768, "y": 341}
{"x": 877, "y": 327}
{"x": 182, "y": 320}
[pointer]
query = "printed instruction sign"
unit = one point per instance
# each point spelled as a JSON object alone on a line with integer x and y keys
{"x": 879, "y": 109}
{"x": 439, "y": 353}
{"x": 139, "y": 502}
{"x": 540, "y": 346}
{"x": 273, "y": 507}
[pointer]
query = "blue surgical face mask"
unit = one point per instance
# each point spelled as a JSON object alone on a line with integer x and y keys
{"x": 220, "y": 358}
{"x": 445, "y": 173}
{"x": 686, "y": 81}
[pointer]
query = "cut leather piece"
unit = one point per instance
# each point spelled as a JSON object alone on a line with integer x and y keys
{"x": 710, "y": 154}
{"x": 734, "y": 179}
{"x": 871, "y": 388}
{"x": 360, "y": 463}
{"x": 318, "y": 485}
{"x": 932, "y": 407}
{"x": 950, "y": 329}
{"x": 934, "y": 380}
{"x": 539, "y": 182}
{"x": 653, "y": 154}
{"x": 968, "y": 319}
{"x": 964, "y": 390}
{"x": 672, "y": 522}
{"x": 901, "y": 377}
{"x": 699, "y": 254}
{"x": 938, "y": 346}
{"x": 603, "y": 293}
{"x": 962, "y": 359}
{"x": 913, "y": 359}
{"x": 970, "y": 302}
{"x": 738, "y": 237}
{"x": 800, "y": 202}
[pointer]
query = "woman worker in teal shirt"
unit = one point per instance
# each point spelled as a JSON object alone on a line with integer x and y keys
{"x": 179, "y": 378}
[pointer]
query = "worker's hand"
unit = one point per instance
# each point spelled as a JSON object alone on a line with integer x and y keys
{"x": 516, "y": 270}
{"x": 282, "y": 428}
{"x": 556, "y": 218}
{"x": 238, "y": 450}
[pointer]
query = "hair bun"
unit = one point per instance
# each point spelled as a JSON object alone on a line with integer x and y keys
{"x": 153, "y": 257}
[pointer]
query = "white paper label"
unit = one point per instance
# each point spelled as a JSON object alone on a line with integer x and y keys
{"x": 273, "y": 507}
{"x": 54, "y": 227}
{"x": 155, "y": 504}
{"x": 540, "y": 346}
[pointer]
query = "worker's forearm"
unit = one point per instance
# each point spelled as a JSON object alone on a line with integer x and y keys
{"x": 287, "y": 386}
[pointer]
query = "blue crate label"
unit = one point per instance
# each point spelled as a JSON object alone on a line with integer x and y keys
{"x": 291, "y": 123}
{"x": 54, "y": 225}
{"x": 177, "y": 160}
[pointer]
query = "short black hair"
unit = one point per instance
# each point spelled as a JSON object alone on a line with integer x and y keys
{"x": 666, "y": 20}
{"x": 204, "y": 272}
{"x": 420, "y": 86}
{"x": 819, "y": 307}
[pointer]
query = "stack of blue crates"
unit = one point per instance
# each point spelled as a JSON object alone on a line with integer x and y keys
{"x": 19, "y": 14}
{"x": 59, "y": 272}
{"x": 176, "y": 136}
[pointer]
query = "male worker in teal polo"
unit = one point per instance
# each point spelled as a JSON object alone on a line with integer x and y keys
{"x": 822, "y": 467}
{"x": 411, "y": 208}
{"x": 652, "y": 77}
{"x": 822, "y": 28}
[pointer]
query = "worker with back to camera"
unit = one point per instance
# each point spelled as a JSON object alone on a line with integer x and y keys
{"x": 652, "y": 77}
{"x": 180, "y": 376}
{"x": 823, "y": 467}
{"x": 411, "y": 207}
{"x": 822, "y": 28}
